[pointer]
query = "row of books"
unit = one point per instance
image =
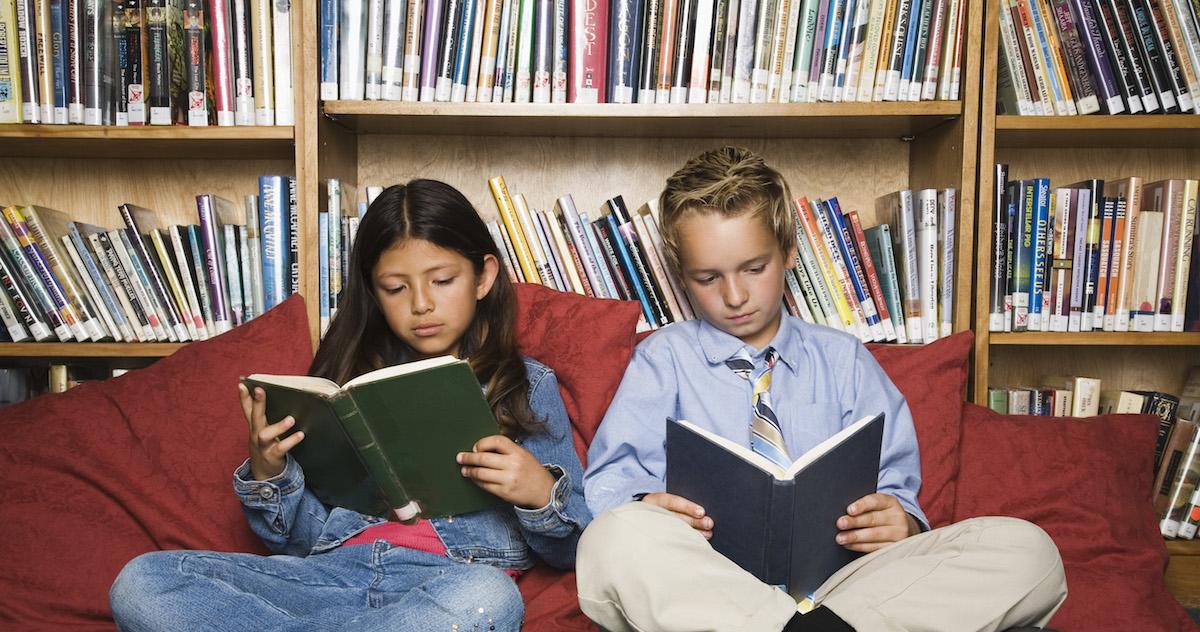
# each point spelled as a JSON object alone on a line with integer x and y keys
{"x": 1066, "y": 57}
{"x": 1177, "y": 462}
{"x": 641, "y": 51}
{"x": 1079, "y": 396}
{"x": 1115, "y": 256}
{"x": 138, "y": 62}
{"x": 19, "y": 384}
{"x": 65, "y": 280}
{"x": 846, "y": 277}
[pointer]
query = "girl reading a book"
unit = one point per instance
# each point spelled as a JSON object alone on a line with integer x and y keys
{"x": 425, "y": 280}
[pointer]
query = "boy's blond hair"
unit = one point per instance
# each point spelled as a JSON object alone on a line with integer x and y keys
{"x": 729, "y": 181}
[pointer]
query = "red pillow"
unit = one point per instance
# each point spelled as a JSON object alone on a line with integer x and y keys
{"x": 933, "y": 378}
{"x": 93, "y": 477}
{"x": 1088, "y": 484}
{"x": 588, "y": 343}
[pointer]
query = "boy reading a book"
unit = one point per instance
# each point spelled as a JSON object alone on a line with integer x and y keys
{"x": 645, "y": 563}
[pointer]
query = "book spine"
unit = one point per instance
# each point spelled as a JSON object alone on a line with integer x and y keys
{"x": 187, "y": 279}
{"x": 701, "y": 51}
{"x": 200, "y": 268}
{"x": 1120, "y": 26}
{"x": 743, "y": 64}
{"x": 575, "y": 228}
{"x": 411, "y": 79}
{"x": 327, "y": 66}
{"x": 858, "y": 283}
{"x": 262, "y": 36}
{"x": 927, "y": 262}
{"x": 122, "y": 289}
{"x": 273, "y": 234}
{"x": 872, "y": 277}
{"x": 212, "y": 263}
{"x": 522, "y": 84}
{"x": 1184, "y": 253}
{"x": 90, "y": 270}
{"x": 403, "y": 506}
{"x": 508, "y": 214}
{"x": 32, "y": 265}
{"x": 600, "y": 255}
{"x": 1165, "y": 198}
{"x": 281, "y": 60}
{"x": 905, "y": 240}
{"x": 802, "y": 58}
{"x": 824, "y": 264}
{"x": 1156, "y": 69}
{"x": 1108, "y": 209}
{"x": 880, "y": 242}
{"x": 1037, "y": 268}
{"x": 138, "y": 284}
{"x": 681, "y": 297}
{"x": 156, "y": 284}
{"x": 352, "y": 50}
{"x": 337, "y": 262}
{"x": 373, "y": 72}
{"x": 292, "y": 262}
{"x": 839, "y": 266}
{"x": 466, "y": 55}
{"x": 59, "y": 268}
{"x": 1171, "y": 61}
{"x": 660, "y": 278}
{"x": 24, "y": 308}
{"x": 233, "y": 275}
{"x": 684, "y": 37}
{"x": 947, "y": 226}
{"x": 635, "y": 256}
{"x": 241, "y": 55}
{"x": 177, "y": 297}
{"x": 323, "y": 271}
{"x": 623, "y": 265}
{"x": 720, "y": 35}
{"x": 221, "y": 62}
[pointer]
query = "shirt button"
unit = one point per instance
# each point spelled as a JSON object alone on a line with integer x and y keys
{"x": 266, "y": 493}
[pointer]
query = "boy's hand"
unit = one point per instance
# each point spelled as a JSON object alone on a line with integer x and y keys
{"x": 874, "y": 521}
{"x": 268, "y": 454}
{"x": 500, "y": 466}
{"x": 683, "y": 509}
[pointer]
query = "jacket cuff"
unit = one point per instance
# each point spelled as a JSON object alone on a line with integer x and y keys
{"x": 553, "y": 514}
{"x": 255, "y": 493}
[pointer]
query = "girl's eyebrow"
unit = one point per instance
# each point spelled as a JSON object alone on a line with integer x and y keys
{"x": 428, "y": 270}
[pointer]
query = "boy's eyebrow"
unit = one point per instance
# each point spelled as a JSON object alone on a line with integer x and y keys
{"x": 749, "y": 262}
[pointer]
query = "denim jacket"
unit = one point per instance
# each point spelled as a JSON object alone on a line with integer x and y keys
{"x": 290, "y": 519}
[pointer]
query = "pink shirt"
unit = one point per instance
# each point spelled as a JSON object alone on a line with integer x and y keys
{"x": 418, "y": 537}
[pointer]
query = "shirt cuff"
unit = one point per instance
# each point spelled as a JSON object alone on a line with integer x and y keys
{"x": 553, "y": 513}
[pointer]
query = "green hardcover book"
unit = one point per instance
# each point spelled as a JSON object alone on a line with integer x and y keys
{"x": 384, "y": 444}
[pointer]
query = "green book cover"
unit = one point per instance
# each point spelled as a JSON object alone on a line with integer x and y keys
{"x": 384, "y": 444}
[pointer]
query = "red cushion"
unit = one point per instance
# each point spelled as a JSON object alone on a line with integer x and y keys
{"x": 1088, "y": 484}
{"x": 933, "y": 378}
{"x": 588, "y": 343}
{"x": 93, "y": 477}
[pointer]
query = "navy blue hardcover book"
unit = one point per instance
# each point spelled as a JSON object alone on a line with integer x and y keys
{"x": 780, "y": 526}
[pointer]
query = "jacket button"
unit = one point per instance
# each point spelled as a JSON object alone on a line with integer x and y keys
{"x": 266, "y": 493}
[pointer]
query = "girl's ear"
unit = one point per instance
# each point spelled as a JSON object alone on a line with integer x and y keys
{"x": 485, "y": 280}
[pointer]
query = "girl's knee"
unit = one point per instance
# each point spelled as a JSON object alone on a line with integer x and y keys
{"x": 490, "y": 599}
{"x": 136, "y": 588}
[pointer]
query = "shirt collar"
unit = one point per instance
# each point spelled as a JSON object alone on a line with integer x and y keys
{"x": 718, "y": 346}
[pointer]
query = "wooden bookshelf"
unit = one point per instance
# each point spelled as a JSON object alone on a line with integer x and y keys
{"x": 728, "y": 120}
{"x": 1070, "y": 149}
{"x": 82, "y": 141}
{"x": 1105, "y": 338}
{"x": 47, "y": 351}
{"x": 1183, "y": 571}
{"x": 1154, "y": 130}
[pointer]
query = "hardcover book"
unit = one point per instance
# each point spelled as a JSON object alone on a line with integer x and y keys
{"x": 384, "y": 444}
{"x": 779, "y": 525}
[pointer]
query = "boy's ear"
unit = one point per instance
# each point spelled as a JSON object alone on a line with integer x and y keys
{"x": 789, "y": 257}
{"x": 486, "y": 278}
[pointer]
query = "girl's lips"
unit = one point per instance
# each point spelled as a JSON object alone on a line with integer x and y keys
{"x": 427, "y": 330}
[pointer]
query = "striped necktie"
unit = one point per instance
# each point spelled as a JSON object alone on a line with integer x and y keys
{"x": 766, "y": 438}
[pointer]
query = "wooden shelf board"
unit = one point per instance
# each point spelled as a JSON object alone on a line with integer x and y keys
{"x": 48, "y": 350}
{"x": 1183, "y": 547}
{"x": 179, "y": 141}
{"x": 1129, "y": 339}
{"x": 1153, "y": 130}
{"x": 802, "y": 120}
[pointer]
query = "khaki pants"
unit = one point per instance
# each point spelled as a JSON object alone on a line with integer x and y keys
{"x": 641, "y": 568}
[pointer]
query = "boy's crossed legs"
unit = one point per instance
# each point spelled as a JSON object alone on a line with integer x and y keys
{"x": 641, "y": 568}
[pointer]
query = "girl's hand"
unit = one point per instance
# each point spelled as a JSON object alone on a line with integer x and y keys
{"x": 874, "y": 521}
{"x": 498, "y": 465}
{"x": 267, "y": 452}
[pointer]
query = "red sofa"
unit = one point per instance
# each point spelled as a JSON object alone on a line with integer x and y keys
{"x": 95, "y": 476}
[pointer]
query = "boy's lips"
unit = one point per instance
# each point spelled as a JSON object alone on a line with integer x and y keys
{"x": 742, "y": 318}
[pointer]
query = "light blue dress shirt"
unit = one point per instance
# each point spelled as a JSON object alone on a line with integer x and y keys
{"x": 823, "y": 381}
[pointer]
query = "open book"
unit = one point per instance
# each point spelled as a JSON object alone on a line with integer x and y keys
{"x": 384, "y": 444}
{"x": 778, "y": 524}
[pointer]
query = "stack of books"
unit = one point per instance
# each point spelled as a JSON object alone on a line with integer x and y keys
{"x": 64, "y": 280}
{"x": 1067, "y": 57}
{"x": 642, "y": 51}
{"x": 138, "y": 62}
{"x": 1115, "y": 256}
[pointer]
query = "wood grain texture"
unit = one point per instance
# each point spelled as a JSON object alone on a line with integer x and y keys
{"x": 1155, "y": 130}
{"x": 1154, "y": 368}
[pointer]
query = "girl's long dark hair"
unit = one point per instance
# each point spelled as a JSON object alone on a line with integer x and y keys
{"x": 359, "y": 339}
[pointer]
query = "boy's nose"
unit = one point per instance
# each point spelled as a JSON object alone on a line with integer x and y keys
{"x": 733, "y": 293}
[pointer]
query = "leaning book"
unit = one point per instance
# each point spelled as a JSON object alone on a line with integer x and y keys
{"x": 385, "y": 443}
{"x": 779, "y": 525}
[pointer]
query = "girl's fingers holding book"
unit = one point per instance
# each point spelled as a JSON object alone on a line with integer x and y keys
{"x": 269, "y": 435}
{"x": 495, "y": 443}
{"x": 482, "y": 459}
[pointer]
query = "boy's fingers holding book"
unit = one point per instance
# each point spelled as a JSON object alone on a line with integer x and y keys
{"x": 684, "y": 509}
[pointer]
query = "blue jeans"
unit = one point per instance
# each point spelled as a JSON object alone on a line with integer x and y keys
{"x": 360, "y": 587}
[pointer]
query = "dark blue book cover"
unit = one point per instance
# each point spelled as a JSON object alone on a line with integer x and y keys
{"x": 778, "y": 526}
